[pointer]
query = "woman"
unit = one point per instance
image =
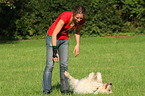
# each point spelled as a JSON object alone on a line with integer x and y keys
{"x": 57, "y": 39}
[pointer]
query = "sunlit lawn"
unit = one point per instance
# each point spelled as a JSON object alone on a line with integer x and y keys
{"x": 120, "y": 60}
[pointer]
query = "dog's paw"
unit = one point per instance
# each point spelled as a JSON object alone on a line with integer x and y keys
{"x": 99, "y": 74}
{"x": 66, "y": 74}
{"x": 91, "y": 75}
{"x": 99, "y": 77}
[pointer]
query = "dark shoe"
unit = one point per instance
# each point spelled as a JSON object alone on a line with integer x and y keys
{"x": 65, "y": 92}
{"x": 48, "y": 92}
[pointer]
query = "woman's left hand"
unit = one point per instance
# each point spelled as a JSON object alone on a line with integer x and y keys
{"x": 77, "y": 50}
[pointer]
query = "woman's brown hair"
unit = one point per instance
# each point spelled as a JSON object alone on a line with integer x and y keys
{"x": 79, "y": 9}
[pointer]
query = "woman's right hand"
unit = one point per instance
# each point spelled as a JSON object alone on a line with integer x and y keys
{"x": 56, "y": 59}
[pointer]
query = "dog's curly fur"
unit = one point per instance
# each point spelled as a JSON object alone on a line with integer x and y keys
{"x": 91, "y": 84}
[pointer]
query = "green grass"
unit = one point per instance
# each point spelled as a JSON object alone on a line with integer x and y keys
{"x": 120, "y": 60}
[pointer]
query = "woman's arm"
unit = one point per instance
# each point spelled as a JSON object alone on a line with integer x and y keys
{"x": 57, "y": 29}
{"x": 77, "y": 35}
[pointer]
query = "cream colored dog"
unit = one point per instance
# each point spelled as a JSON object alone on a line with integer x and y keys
{"x": 91, "y": 84}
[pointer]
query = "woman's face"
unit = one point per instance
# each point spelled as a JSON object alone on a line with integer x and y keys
{"x": 78, "y": 17}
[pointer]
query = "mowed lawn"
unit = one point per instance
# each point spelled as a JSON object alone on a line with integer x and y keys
{"x": 121, "y": 61}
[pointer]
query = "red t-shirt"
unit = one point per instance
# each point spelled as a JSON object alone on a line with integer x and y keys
{"x": 65, "y": 16}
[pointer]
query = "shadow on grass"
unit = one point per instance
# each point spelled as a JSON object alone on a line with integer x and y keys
{"x": 8, "y": 41}
{"x": 58, "y": 87}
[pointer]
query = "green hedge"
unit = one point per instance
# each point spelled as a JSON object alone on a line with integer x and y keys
{"x": 25, "y": 19}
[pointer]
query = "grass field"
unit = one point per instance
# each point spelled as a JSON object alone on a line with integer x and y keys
{"x": 120, "y": 60}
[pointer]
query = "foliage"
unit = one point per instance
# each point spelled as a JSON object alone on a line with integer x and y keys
{"x": 24, "y": 19}
{"x": 7, "y": 18}
{"x": 106, "y": 18}
{"x": 133, "y": 11}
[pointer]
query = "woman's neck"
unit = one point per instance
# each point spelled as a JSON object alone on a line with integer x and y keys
{"x": 71, "y": 23}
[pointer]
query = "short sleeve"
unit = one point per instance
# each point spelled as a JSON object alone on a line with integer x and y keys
{"x": 65, "y": 16}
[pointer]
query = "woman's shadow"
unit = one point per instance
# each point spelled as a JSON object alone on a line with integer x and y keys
{"x": 56, "y": 86}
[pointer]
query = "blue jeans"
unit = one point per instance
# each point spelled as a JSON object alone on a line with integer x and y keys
{"x": 63, "y": 51}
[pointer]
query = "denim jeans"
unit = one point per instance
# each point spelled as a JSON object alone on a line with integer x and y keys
{"x": 63, "y": 51}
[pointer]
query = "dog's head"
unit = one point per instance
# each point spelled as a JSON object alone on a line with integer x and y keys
{"x": 106, "y": 88}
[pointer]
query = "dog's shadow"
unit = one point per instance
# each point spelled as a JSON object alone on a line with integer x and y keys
{"x": 58, "y": 87}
